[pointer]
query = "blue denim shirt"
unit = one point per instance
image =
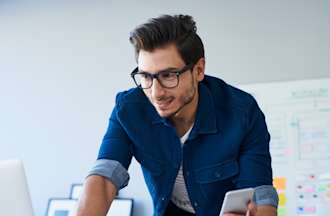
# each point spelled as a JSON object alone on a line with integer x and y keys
{"x": 227, "y": 149}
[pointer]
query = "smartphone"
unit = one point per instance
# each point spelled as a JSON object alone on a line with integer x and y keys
{"x": 236, "y": 201}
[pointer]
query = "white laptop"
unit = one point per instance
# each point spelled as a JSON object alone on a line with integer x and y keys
{"x": 14, "y": 194}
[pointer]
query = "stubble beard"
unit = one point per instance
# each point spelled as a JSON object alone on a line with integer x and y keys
{"x": 185, "y": 100}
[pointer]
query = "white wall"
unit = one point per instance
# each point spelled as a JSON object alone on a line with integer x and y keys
{"x": 61, "y": 64}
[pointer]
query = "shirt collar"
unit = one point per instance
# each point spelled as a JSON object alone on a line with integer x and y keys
{"x": 206, "y": 119}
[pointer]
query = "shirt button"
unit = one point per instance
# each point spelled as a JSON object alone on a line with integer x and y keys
{"x": 188, "y": 173}
{"x": 163, "y": 198}
{"x": 217, "y": 174}
{"x": 195, "y": 204}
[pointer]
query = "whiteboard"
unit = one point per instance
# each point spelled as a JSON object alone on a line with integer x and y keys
{"x": 298, "y": 118}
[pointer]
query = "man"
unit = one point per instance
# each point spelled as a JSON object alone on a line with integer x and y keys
{"x": 195, "y": 136}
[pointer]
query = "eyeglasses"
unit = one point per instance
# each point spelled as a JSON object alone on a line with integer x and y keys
{"x": 166, "y": 78}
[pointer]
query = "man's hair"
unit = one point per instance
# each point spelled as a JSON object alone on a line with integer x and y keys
{"x": 166, "y": 29}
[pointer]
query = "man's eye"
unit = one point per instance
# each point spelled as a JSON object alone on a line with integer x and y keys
{"x": 167, "y": 75}
{"x": 145, "y": 76}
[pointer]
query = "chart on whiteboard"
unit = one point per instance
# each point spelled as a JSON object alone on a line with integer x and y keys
{"x": 298, "y": 118}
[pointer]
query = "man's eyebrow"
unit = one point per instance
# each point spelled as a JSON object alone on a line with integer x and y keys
{"x": 166, "y": 69}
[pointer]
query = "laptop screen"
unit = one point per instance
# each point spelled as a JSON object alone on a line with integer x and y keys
{"x": 14, "y": 194}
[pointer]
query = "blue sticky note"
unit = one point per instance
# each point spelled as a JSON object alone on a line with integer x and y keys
{"x": 61, "y": 213}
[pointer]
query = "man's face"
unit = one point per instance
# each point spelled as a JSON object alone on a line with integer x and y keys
{"x": 169, "y": 102}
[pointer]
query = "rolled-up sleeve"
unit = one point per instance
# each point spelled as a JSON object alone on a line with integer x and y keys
{"x": 115, "y": 153}
{"x": 265, "y": 195}
{"x": 111, "y": 170}
{"x": 255, "y": 160}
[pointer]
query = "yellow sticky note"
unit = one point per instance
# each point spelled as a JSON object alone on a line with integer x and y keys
{"x": 282, "y": 199}
{"x": 279, "y": 183}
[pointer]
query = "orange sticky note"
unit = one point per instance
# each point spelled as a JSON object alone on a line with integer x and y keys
{"x": 279, "y": 183}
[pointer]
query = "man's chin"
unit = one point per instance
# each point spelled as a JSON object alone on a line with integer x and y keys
{"x": 164, "y": 114}
{"x": 168, "y": 113}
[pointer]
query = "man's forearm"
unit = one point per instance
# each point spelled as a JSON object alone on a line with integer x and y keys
{"x": 265, "y": 210}
{"x": 96, "y": 197}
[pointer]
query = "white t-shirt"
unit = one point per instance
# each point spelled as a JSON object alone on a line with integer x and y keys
{"x": 179, "y": 194}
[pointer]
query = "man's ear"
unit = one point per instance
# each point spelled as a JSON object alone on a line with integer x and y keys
{"x": 200, "y": 69}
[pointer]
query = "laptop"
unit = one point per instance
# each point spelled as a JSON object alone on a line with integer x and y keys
{"x": 14, "y": 194}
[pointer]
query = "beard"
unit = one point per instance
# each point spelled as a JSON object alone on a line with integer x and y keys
{"x": 184, "y": 100}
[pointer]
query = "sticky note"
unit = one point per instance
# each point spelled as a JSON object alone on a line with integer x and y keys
{"x": 281, "y": 212}
{"x": 321, "y": 188}
{"x": 279, "y": 183}
{"x": 300, "y": 210}
{"x": 327, "y": 196}
{"x": 310, "y": 209}
{"x": 282, "y": 199}
{"x": 324, "y": 176}
{"x": 309, "y": 189}
{"x": 306, "y": 210}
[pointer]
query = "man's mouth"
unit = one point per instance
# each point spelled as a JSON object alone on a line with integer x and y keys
{"x": 163, "y": 104}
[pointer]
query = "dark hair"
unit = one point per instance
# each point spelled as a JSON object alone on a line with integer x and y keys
{"x": 166, "y": 29}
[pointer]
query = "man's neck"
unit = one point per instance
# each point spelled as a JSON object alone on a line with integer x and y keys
{"x": 184, "y": 120}
{"x": 182, "y": 127}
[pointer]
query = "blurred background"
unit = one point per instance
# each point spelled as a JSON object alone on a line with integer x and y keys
{"x": 62, "y": 63}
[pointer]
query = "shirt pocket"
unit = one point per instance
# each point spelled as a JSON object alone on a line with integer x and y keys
{"x": 215, "y": 180}
{"x": 150, "y": 165}
{"x": 217, "y": 172}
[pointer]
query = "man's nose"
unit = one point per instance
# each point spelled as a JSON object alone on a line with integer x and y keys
{"x": 156, "y": 89}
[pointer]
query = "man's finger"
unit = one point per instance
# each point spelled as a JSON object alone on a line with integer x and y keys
{"x": 252, "y": 209}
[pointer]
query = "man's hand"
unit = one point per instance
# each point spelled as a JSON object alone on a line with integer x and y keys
{"x": 253, "y": 210}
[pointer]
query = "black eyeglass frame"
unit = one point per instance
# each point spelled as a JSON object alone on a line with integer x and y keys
{"x": 156, "y": 75}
